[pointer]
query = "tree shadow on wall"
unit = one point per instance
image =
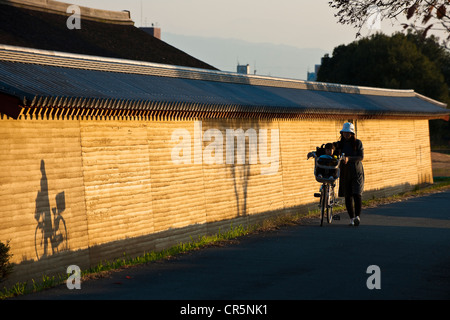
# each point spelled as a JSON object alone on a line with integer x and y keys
{"x": 246, "y": 142}
{"x": 51, "y": 234}
{"x": 243, "y": 176}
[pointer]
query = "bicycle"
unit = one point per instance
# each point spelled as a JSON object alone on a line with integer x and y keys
{"x": 327, "y": 194}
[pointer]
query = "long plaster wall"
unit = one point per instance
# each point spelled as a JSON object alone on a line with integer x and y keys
{"x": 82, "y": 191}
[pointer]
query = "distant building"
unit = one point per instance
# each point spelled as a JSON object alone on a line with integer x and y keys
{"x": 153, "y": 31}
{"x": 312, "y": 76}
{"x": 243, "y": 69}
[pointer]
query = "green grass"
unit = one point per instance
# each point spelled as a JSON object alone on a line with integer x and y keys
{"x": 221, "y": 238}
{"x": 103, "y": 268}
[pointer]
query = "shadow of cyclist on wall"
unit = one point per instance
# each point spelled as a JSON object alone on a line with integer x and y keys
{"x": 51, "y": 231}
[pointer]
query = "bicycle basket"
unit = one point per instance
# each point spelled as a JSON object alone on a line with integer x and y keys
{"x": 326, "y": 169}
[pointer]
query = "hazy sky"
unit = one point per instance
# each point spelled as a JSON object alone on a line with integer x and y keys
{"x": 304, "y": 24}
{"x": 300, "y": 23}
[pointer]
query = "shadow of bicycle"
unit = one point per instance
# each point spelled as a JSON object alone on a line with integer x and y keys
{"x": 51, "y": 234}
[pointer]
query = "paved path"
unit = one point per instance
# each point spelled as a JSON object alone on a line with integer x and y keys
{"x": 409, "y": 241}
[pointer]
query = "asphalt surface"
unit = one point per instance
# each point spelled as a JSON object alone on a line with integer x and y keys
{"x": 408, "y": 241}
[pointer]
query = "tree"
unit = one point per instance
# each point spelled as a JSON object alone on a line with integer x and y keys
{"x": 388, "y": 62}
{"x": 430, "y": 47}
{"x": 396, "y": 62}
{"x": 422, "y": 15}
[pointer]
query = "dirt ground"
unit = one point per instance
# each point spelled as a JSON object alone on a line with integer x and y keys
{"x": 441, "y": 164}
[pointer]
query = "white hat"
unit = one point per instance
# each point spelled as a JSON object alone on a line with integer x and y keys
{"x": 348, "y": 127}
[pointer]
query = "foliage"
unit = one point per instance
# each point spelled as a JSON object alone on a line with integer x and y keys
{"x": 396, "y": 62}
{"x": 387, "y": 62}
{"x": 5, "y": 266}
{"x": 422, "y": 15}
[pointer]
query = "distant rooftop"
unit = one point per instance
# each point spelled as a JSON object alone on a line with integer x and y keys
{"x": 42, "y": 24}
{"x": 57, "y": 7}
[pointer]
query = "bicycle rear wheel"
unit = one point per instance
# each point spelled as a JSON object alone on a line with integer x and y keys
{"x": 323, "y": 203}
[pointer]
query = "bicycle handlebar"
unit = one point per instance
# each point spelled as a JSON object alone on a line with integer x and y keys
{"x": 313, "y": 155}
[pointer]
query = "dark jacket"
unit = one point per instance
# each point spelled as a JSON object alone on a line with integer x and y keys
{"x": 352, "y": 174}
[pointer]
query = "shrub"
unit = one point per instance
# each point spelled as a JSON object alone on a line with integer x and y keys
{"x": 5, "y": 265}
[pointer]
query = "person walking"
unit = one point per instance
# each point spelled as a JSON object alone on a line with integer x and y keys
{"x": 351, "y": 181}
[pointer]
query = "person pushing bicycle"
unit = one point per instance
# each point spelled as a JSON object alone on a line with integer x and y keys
{"x": 351, "y": 183}
{"x": 351, "y": 179}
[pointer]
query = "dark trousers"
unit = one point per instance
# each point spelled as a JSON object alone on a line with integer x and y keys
{"x": 353, "y": 211}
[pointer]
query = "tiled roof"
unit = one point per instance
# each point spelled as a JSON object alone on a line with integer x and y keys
{"x": 43, "y": 79}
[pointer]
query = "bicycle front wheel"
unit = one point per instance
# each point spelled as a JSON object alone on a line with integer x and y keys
{"x": 332, "y": 200}
{"x": 329, "y": 214}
